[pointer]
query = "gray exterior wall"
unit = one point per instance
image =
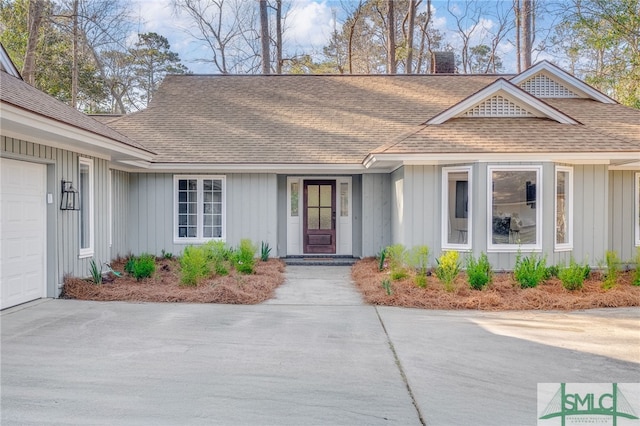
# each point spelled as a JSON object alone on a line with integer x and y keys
{"x": 251, "y": 211}
{"x": 622, "y": 213}
{"x": 120, "y": 214}
{"x": 591, "y": 213}
{"x": 376, "y": 214}
{"x": 63, "y": 227}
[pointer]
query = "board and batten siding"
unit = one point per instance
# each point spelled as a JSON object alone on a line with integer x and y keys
{"x": 376, "y": 204}
{"x": 119, "y": 214}
{"x": 63, "y": 227}
{"x": 251, "y": 211}
{"x": 622, "y": 211}
{"x": 590, "y": 213}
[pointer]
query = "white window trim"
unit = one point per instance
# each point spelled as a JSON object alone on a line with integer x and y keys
{"x": 87, "y": 251}
{"x": 510, "y": 248}
{"x": 568, "y": 246}
{"x": 445, "y": 209}
{"x": 200, "y": 238}
{"x": 637, "y": 210}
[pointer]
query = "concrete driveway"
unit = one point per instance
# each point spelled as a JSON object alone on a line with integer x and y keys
{"x": 314, "y": 355}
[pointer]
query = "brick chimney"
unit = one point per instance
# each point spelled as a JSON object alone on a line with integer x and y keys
{"x": 443, "y": 63}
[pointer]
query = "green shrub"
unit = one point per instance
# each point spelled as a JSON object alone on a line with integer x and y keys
{"x": 419, "y": 259}
{"x": 218, "y": 256}
{"x": 420, "y": 280}
{"x": 386, "y": 284}
{"x": 552, "y": 271}
{"x": 194, "y": 265}
{"x": 613, "y": 267}
{"x": 144, "y": 266}
{"x": 530, "y": 270}
{"x": 479, "y": 271}
{"x": 636, "y": 274}
{"x": 573, "y": 276}
{"x": 448, "y": 268}
{"x": 243, "y": 258}
{"x": 265, "y": 250}
{"x": 128, "y": 267}
{"x": 397, "y": 256}
{"x": 96, "y": 273}
{"x": 382, "y": 255}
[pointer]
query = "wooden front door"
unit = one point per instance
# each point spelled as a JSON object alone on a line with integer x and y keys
{"x": 319, "y": 216}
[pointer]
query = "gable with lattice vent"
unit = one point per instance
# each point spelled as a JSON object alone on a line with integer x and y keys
{"x": 497, "y": 106}
{"x": 542, "y": 86}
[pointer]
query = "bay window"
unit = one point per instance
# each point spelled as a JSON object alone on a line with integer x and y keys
{"x": 456, "y": 208}
{"x": 514, "y": 208}
{"x": 564, "y": 208}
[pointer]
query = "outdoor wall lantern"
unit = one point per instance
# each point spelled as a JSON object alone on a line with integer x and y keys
{"x": 70, "y": 197}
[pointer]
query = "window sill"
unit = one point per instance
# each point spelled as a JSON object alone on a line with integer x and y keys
{"x": 187, "y": 241}
{"x": 514, "y": 248}
{"x": 85, "y": 253}
{"x": 457, "y": 247}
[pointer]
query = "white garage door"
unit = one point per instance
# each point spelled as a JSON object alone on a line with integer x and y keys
{"x": 22, "y": 232}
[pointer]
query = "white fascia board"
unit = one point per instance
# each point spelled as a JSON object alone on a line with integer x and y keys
{"x": 513, "y": 93}
{"x": 626, "y": 166}
{"x": 26, "y": 125}
{"x": 561, "y": 76}
{"x": 444, "y": 158}
{"x": 134, "y": 166}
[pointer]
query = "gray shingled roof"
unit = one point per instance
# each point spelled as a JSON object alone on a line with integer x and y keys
{"x": 288, "y": 119}
{"x": 341, "y": 119}
{"x": 20, "y": 94}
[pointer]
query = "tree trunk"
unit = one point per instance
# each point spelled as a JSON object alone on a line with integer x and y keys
{"x": 516, "y": 13}
{"x": 391, "y": 39}
{"x": 264, "y": 36}
{"x": 36, "y": 10}
{"x": 279, "y": 36}
{"x": 412, "y": 21}
{"x": 527, "y": 14}
{"x": 74, "y": 66}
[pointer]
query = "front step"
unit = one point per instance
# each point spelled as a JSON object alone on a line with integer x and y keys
{"x": 320, "y": 260}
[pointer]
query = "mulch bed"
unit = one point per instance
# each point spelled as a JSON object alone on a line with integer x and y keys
{"x": 164, "y": 286}
{"x": 502, "y": 294}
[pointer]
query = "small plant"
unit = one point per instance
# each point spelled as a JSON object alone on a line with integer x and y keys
{"x": 96, "y": 273}
{"x": 265, "y": 251}
{"x": 243, "y": 258}
{"x": 613, "y": 267}
{"x": 636, "y": 274}
{"x": 552, "y": 271}
{"x": 419, "y": 260}
{"x": 479, "y": 271}
{"x": 128, "y": 267}
{"x": 218, "y": 255}
{"x": 530, "y": 271}
{"x": 167, "y": 255}
{"x": 573, "y": 276}
{"x": 420, "y": 280}
{"x": 194, "y": 265}
{"x": 386, "y": 284}
{"x": 397, "y": 256}
{"x": 382, "y": 256}
{"x": 144, "y": 266}
{"x": 448, "y": 269}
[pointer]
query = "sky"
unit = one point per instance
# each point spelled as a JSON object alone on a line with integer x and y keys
{"x": 309, "y": 26}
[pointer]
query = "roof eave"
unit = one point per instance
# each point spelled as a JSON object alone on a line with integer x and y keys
{"x": 26, "y": 125}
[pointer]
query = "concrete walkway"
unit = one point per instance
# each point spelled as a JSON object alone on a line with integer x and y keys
{"x": 317, "y": 285}
{"x": 301, "y": 359}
